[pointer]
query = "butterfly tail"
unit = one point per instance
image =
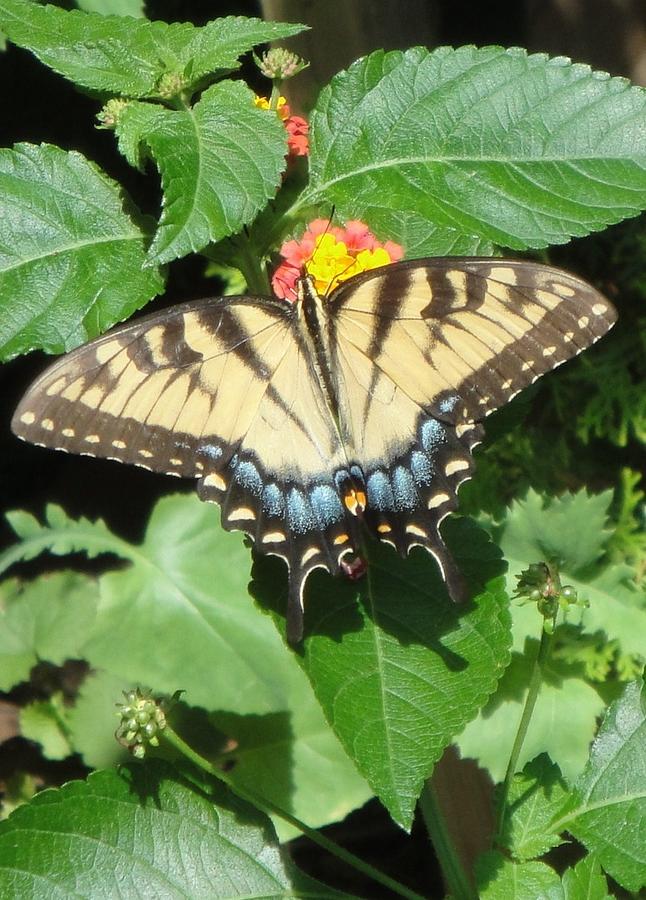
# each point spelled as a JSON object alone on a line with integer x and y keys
{"x": 295, "y": 608}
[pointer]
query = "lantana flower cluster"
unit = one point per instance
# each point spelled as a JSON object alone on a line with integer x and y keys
{"x": 330, "y": 255}
{"x": 296, "y": 126}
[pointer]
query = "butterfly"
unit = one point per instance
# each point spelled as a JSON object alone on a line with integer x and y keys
{"x": 310, "y": 422}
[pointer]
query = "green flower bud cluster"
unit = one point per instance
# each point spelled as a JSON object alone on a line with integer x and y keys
{"x": 142, "y": 718}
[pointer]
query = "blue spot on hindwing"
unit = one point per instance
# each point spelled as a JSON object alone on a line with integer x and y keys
{"x": 299, "y": 512}
{"x": 273, "y": 501}
{"x": 404, "y": 489}
{"x": 421, "y": 467}
{"x": 380, "y": 492}
{"x": 326, "y": 505}
{"x": 448, "y": 404}
{"x": 433, "y": 435}
{"x": 248, "y": 476}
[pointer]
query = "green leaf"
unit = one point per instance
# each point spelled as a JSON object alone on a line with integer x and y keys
{"x": 152, "y": 836}
{"x": 220, "y": 162}
{"x": 585, "y": 881}
{"x": 46, "y": 619}
{"x": 188, "y": 578}
{"x": 71, "y": 258}
{"x": 399, "y": 672}
{"x": 45, "y": 722}
{"x": 534, "y": 798}
{"x": 608, "y": 810}
{"x": 113, "y": 7}
{"x": 294, "y": 759}
{"x": 573, "y": 530}
{"x": 489, "y": 144}
{"x": 502, "y": 879}
{"x": 563, "y": 723}
{"x": 92, "y": 721}
{"x": 116, "y": 55}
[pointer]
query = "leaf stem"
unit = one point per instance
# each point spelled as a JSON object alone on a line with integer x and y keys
{"x": 268, "y": 807}
{"x": 456, "y": 879}
{"x": 535, "y": 681}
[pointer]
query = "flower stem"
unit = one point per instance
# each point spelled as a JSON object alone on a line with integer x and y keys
{"x": 268, "y": 807}
{"x": 523, "y": 726}
{"x": 456, "y": 879}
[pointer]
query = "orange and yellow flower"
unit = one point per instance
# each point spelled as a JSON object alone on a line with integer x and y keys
{"x": 330, "y": 255}
{"x": 296, "y": 126}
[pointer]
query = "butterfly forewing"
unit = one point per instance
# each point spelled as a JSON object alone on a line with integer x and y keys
{"x": 463, "y": 336}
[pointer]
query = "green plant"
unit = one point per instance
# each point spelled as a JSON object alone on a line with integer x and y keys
{"x": 445, "y": 152}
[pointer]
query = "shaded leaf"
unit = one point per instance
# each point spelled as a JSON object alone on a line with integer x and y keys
{"x": 608, "y": 809}
{"x": 399, "y": 672}
{"x": 502, "y": 879}
{"x": 534, "y": 798}
{"x": 294, "y": 759}
{"x": 220, "y": 162}
{"x": 71, "y": 258}
{"x": 93, "y": 720}
{"x": 585, "y": 881}
{"x": 43, "y": 721}
{"x": 480, "y": 144}
{"x": 45, "y": 619}
{"x": 116, "y": 55}
{"x": 152, "y": 836}
{"x": 563, "y": 723}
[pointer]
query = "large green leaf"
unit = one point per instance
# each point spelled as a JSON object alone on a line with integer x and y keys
{"x": 118, "y": 55}
{"x": 481, "y": 145}
{"x": 585, "y": 881}
{"x": 397, "y": 668}
{"x": 220, "y": 162}
{"x": 71, "y": 257}
{"x": 46, "y": 619}
{"x": 563, "y": 723}
{"x": 144, "y": 832}
{"x": 608, "y": 810}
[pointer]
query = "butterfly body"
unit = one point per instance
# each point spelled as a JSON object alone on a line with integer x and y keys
{"x": 307, "y": 422}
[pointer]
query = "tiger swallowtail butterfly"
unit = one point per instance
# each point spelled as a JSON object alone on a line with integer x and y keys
{"x": 307, "y": 421}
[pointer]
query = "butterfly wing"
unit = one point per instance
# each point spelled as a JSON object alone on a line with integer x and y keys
{"x": 424, "y": 350}
{"x": 219, "y": 390}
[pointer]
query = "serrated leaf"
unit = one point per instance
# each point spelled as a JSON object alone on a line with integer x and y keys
{"x": 572, "y": 529}
{"x": 43, "y": 721}
{"x": 71, "y": 258}
{"x": 220, "y": 162}
{"x": 398, "y": 672}
{"x": 534, "y": 798}
{"x": 60, "y": 535}
{"x": 498, "y": 145}
{"x": 46, "y": 619}
{"x": 152, "y": 835}
{"x": 502, "y": 879}
{"x": 116, "y": 55}
{"x": 608, "y": 809}
{"x": 563, "y": 723}
{"x": 585, "y": 881}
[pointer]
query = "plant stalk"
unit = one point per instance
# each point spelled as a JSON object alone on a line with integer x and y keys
{"x": 268, "y": 807}
{"x": 535, "y": 681}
